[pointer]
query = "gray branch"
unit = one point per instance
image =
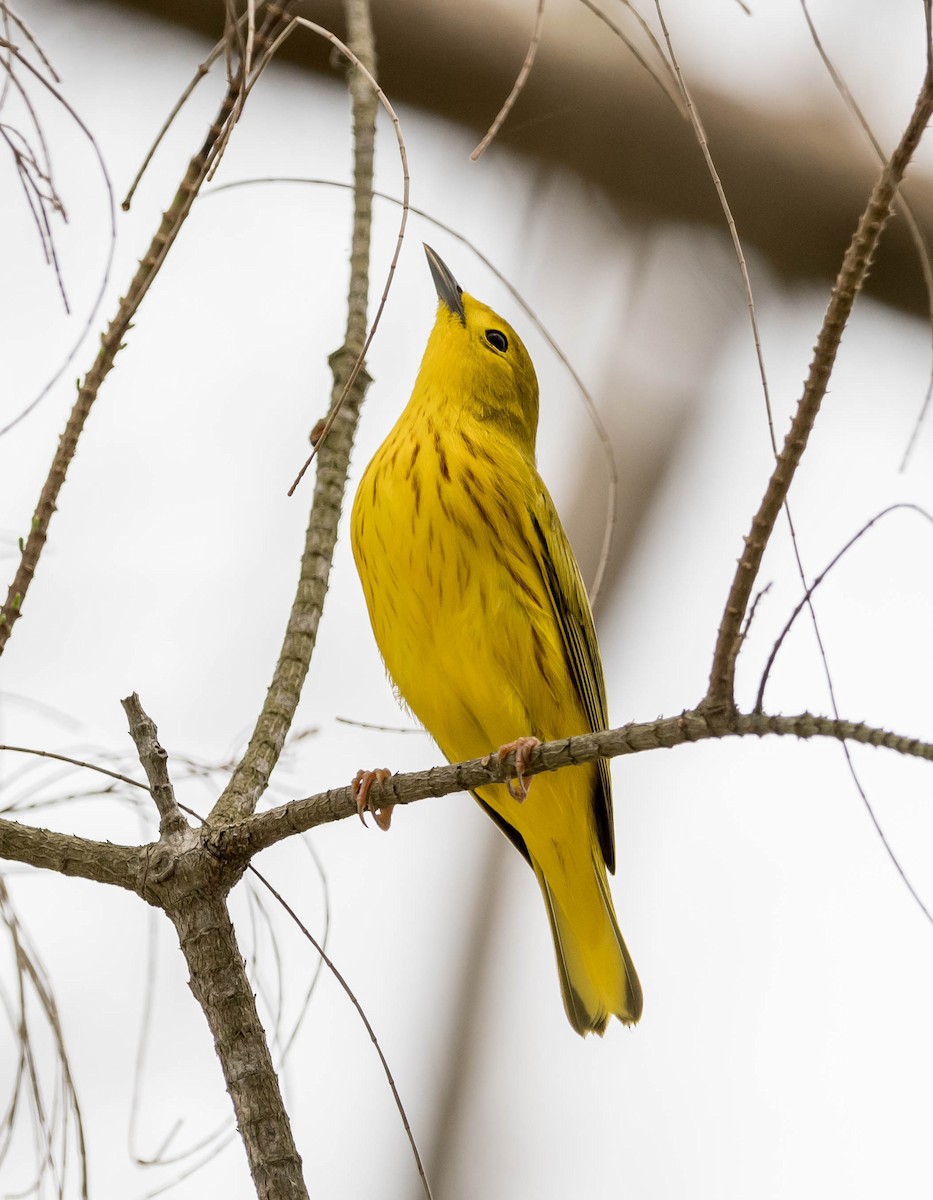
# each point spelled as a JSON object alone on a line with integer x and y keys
{"x": 251, "y": 776}
{"x": 222, "y": 988}
{"x": 244, "y": 839}
{"x": 101, "y": 862}
{"x": 155, "y": 763}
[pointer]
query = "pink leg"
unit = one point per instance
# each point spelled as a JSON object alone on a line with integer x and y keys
{"x": 522, "y": 746}
{"x": 362, "y": 782}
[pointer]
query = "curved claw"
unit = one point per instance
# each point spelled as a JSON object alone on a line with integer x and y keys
{"x": 523, "y": 746}
{"x": 360, "y": 785}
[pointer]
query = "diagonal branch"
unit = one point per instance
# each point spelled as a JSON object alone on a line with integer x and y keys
{"x": 238, "y": 842}
{"x": 251, "y": 776}
{"x": 113, "y": 338}
{"x": 858, "y": 258}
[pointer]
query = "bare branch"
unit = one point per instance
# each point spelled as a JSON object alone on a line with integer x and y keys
{"x": 68, "y": 854}
{"x": 112, "y": 341}
{"x": 720, "y": 696}
{"x": 239, "y": 842}
{"x": 517, "y": 86}
{"x": 222, "y": 989}
{"x": 155, "y": 763}
{"x": 251, "y": 776}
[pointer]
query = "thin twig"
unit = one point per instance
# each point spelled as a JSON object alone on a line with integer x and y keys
{"x": 65, "y": 1110}
{"x": 377, "y": 728}
{"x": 517, "y": 86}
{"x": 112, "y": 238}
{"x": 903, "y": 207}
{"x": 703, "y": 143}
{"x": 596, "y": 421}
{"x": 111, "y": 342}
{"x": 426, "y": 1187}
{"x": 357, "y": 367}
{"x": 667, "y": 82}
{"x": 75, "y": 762}
{"x": 798, "y": 608}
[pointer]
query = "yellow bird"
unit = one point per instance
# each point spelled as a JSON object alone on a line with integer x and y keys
{"x": 483, "y": 622}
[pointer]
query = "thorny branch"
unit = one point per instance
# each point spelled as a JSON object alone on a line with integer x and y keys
{"x": 265, "y": 829}
{"x": 154, "y": 761}
{"x": 251, "y": 776}
{"x": 113, "y": 338}
{"x": 858, "y": 258}
{"x": 232, "y": 845}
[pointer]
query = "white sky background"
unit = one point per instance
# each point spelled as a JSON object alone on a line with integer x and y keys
{"x": 786, "y": 1046}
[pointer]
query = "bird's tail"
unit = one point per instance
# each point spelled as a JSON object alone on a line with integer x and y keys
{"x": 597, "y": 976}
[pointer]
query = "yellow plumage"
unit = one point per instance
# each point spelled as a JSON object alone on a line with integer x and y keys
{"x": 482, "y": 619}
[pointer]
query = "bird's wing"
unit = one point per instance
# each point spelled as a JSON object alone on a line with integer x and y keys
{"x": 572, "y": 609}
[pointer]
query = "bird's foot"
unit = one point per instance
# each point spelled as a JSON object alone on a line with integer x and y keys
{"x": 362, "y": 782}
{"x": 523, "y": 746}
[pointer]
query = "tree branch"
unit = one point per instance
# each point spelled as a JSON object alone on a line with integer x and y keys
{"x": 234, "y": 844}
{"x": 101, "y": 862}
{"x": 720, "y": 696}
{"x": 251, "y": 776}
{"x": 221, "y": 987}
{"x": 239, "y": 842}
{"x": 112, "y": 340}
{"x": 172, "y": 824}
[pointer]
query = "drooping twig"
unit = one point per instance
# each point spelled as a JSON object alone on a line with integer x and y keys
{"x": 665, "y": 78}
{"x": 53, "y": 1121}
{"x": 75, "y": 762}
{"x": 798, "y": 608}
{"x": 517, "y": 86}
{"x": 320, "y": 434}
{"x": 49, "y": 82}
{"x": 351, "y": 996}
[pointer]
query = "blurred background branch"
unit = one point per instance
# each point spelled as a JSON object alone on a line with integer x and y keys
{"x": 590, "y": 107}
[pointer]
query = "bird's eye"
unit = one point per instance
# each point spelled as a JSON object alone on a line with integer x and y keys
{"x": 497, "y": 339}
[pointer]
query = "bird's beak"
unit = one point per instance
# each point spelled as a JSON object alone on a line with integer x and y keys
{"x": 449, "y": 291}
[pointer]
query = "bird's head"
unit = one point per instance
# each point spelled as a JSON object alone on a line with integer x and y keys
{"x": 475, "y": 360}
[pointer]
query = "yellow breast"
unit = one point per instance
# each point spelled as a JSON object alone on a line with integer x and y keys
{"x": 459, "y": 610}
